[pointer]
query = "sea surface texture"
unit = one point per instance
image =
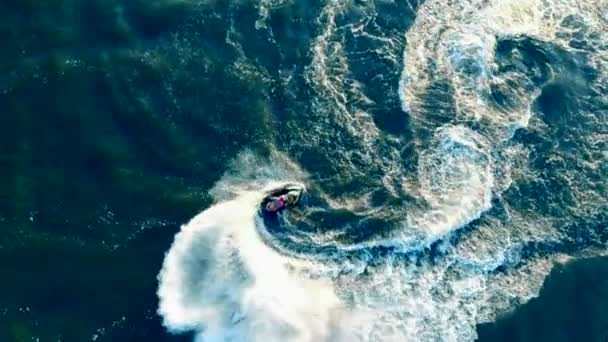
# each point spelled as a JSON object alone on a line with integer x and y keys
{"x": 454, "y": 155}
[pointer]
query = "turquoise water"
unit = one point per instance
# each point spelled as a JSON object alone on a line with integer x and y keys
{"x": 453, "y": 155}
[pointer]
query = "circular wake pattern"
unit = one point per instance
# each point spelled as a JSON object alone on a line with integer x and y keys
{"x": 456, "y": 177}
{"x": 443, "y": 187}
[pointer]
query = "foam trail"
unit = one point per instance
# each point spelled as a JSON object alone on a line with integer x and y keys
{"x": 225, "y": 278}
{"x": 457, "y": 41}
{"x": 220, "y": 279}
{"x": 456, "y": 177}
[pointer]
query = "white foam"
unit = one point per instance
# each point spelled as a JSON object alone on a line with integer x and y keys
{"x": 456, "y": 42}
{"x": 220, "y": 279}
{"x": 340, "y": 104}
{"x": 456, "y": 177}
{"x": 458, "y": 39}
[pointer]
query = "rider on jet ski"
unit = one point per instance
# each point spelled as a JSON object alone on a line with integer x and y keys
{"x": 280, "y": 202}
{"x": 284, "y": 197}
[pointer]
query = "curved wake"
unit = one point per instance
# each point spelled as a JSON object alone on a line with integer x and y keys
{"x": 451, "y": 244}
{"x": 220, "y": 279}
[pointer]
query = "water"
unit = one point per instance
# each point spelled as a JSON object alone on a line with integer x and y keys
{"x": 453, "y": 154}
{"x": 537, "y": 319}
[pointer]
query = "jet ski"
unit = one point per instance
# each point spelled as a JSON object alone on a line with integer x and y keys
{"x": 282, "y": 198}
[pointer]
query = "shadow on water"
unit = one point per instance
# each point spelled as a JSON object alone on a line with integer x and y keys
{"x": 570, "y": 307}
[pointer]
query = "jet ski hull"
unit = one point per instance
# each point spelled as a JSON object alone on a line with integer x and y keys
{"x": 293, "y": 189}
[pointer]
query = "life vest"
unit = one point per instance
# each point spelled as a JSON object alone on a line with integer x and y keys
{"x": 281, "y": 201}
{"x": 276, "y": 204}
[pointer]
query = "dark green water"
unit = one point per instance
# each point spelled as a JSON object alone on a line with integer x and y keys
{"x": 571, "y": 307}
{"x": 98, "y": 167}
{"x": 117, "y": 118}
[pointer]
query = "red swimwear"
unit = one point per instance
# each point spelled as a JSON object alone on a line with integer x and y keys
{"x": 276, "y": 204}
